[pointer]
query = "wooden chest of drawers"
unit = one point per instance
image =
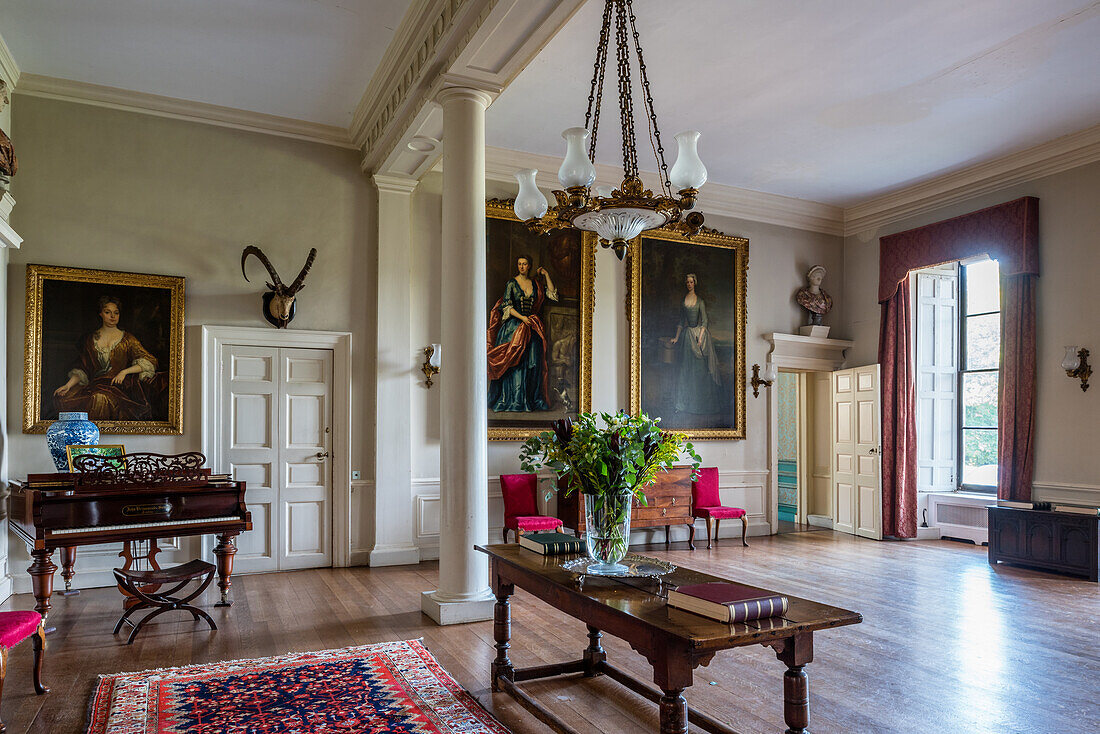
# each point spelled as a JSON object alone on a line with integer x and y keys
{"x": 668, "y": 503}
{"x": 1062, "y": 542}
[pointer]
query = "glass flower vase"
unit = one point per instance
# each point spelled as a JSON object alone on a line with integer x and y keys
{"x": 607, "y": 532}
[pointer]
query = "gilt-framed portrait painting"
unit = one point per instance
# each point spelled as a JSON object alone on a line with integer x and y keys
{"x": 105, "y": 343}
{"x": 539, "y": 296}
{"x": 687, "y": 318}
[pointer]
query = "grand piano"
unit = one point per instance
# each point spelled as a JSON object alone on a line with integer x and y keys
{"x": 145, "y": 497}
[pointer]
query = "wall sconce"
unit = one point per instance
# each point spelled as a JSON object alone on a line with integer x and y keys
{"x": 430, "y": 368}
{"x": 1076, "y": 364}
{"x": 766, "y": 380}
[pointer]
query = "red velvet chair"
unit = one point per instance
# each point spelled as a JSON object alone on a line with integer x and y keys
{"x": 521, "y": 505}
{"x": 14, "y": 628}
{"x": 706, "y": 504}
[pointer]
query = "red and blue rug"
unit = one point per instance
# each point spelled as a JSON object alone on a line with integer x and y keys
{"x": 389, "y": 688}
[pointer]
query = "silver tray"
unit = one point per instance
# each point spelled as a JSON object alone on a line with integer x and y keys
{"x": 635, "y": 567}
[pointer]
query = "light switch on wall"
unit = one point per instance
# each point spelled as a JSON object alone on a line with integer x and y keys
{"x": 356, "y": 474}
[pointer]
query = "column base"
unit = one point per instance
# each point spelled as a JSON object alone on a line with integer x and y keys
{"x": 394, "y": 555}
{"x": 478, "y": 609}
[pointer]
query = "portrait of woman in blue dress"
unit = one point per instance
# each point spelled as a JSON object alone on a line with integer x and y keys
{"x": 697, "y": 379}
{"x": 517, "y": 343}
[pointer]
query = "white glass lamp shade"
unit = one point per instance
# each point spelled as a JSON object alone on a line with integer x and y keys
{"x": 576, "y": 169}
{"x": 437, "y": 356}
{"x": 530, "y": 202}
{"x": 604, "y": 191}
{"x": 688, "y": 172}
{"x": 619, "y": 224}
{"x": 1071, "y": 361}
{"x": 770, "y": 372}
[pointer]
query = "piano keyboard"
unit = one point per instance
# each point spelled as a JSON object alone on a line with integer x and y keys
{"x": 143, "y": 525}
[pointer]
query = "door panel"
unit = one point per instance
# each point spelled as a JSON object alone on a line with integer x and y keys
{"x": 306, "y": 520}
{"x": 277, "y": 413}
{"x": 248, "y": 392}
{"x": 857, "y": 463}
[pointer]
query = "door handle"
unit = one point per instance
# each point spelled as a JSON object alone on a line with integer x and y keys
{"x": 322, "y": 455}
{"x": 874, "y": 450}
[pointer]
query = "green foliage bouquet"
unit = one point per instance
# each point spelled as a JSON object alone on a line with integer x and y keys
{"x": 610, "y": 465}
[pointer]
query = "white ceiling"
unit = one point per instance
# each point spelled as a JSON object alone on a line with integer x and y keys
{"x": 834, "y": 101}
{"x": 303, "y": 59}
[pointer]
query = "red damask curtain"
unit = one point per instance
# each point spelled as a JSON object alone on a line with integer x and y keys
{"x": 899, "y": 417}
{"x": 1008, "y": 233}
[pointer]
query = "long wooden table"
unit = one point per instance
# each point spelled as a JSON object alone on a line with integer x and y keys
{"x": 674, "y": 642}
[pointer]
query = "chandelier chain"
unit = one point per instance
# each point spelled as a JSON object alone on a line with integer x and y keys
{"x": 654, "y": 130}
{"x": 595, "y": 93}
{"x": 626, "y": 102}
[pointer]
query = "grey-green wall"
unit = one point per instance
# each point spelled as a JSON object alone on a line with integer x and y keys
{"x": 108, "y": 189}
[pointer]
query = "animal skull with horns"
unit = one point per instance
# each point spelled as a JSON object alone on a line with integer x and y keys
{"x": 279, "y": 301}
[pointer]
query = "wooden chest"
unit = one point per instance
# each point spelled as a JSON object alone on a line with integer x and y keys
{"x": 1063, "y": 542}
{"x": 668, "y": 503}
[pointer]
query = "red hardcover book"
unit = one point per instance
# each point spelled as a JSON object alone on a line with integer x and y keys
{"x": 728, "y": 602}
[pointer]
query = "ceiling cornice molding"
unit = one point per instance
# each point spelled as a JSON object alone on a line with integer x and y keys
{"x": 717, "y": 199}
{"x": 1055, "y": 156}
{"x": 8, "y": 68}
{"x": 181, "y": 109}
{"x": 425, "y": 34}
{"x": 479, "y": 44}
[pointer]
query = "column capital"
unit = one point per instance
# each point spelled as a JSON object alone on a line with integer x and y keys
{"x": 466, "y": 93}
{"x": 394, "y": 184}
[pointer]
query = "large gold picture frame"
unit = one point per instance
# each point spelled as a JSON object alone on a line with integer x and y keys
{"x": 670, "y": 377}
{"x": 569, "y": 257}
{"x": 63, "y": 316}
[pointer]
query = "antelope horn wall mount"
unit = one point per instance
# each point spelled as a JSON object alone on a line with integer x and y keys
{"x": 279, "y": 301}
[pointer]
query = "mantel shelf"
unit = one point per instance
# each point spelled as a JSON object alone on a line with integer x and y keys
{"x": 793, "y": 351}
{"x": 8, "y": 236}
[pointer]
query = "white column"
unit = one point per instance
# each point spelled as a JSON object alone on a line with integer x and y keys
{"x": 463, "y": 594}
{"x": 394, "y": 534}
{"x": 9, "y": 239}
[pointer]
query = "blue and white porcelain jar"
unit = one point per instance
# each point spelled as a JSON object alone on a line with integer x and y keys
{"x": 70, "y": 429}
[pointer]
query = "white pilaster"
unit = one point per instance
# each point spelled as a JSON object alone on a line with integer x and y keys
{"x": 463, "y": 594}
{"x": 394, "y": 533}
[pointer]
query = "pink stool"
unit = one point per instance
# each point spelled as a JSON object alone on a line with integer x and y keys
{"x": 14, "y": 628}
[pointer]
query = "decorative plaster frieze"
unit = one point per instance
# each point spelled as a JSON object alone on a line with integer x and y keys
{"x": 182, "y": 109}
{"x": 425, "y": 29}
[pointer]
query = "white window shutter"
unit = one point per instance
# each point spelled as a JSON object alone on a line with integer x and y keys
{"x": 937, "y": 365}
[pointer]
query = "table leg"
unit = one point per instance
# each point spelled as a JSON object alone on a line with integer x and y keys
{"x": 594, "y": 653}
{"x": 795, "y": 652}
{"x": 223, "y": 553}
{"x": 674, "y": 711}
{"x": 41, "y": 571}
{"x": 68, "y": 561}
{"x": 502, "y": 632}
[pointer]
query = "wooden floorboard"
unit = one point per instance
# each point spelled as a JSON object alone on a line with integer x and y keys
{"x": 948, "y": 644}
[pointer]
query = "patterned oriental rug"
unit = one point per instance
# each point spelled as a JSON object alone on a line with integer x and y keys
{"x": 389, "y": 688}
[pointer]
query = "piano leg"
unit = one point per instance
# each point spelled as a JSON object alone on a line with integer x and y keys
{"x": 68, "y": 561}
{"x": 41, "y": 571}
{"x": 224, "y": 552}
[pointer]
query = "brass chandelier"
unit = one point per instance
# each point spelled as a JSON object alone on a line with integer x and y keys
{"x": 617, "y": 216}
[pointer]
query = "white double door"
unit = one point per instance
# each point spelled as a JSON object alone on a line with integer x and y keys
{"x": 857, "y": 451}
{"x": 276, "y": 435}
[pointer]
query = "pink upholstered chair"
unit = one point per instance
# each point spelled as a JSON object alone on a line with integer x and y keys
{"x": 14, "y": 628}
{"x": 706, "y": 504}
{"x": 521, "y": 505}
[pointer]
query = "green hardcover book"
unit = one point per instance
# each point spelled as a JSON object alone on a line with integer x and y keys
{"x": 551, "y": 544}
